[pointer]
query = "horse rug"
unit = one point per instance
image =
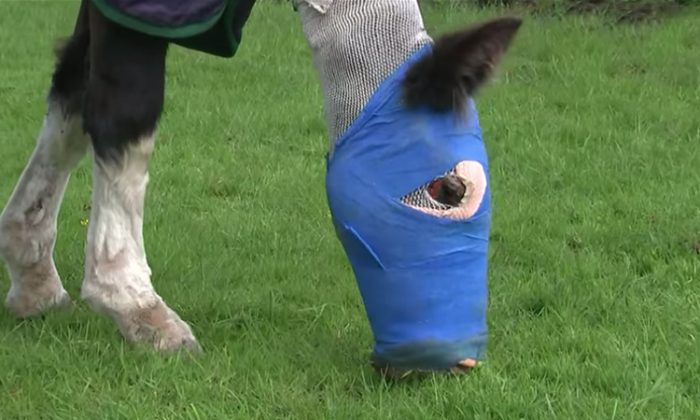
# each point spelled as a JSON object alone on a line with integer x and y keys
{"x": 211, "y": 26}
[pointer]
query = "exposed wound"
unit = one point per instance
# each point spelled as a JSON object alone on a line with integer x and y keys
{"x": 456, "y": 195}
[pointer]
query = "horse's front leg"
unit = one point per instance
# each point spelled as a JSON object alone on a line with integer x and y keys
{"x": 123, "y": 102}
{"x": 28, "y": 222}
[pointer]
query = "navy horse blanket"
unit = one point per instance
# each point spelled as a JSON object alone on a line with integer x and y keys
{"x": 210, "y": 26}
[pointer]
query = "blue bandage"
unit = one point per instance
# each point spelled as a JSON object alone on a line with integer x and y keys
{"x": 423, "y": 278}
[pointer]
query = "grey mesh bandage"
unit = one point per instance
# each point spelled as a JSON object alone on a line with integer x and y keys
{"x": 355, "y": 45}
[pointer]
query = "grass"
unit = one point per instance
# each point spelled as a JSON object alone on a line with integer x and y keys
{"x": 593, "y": 135}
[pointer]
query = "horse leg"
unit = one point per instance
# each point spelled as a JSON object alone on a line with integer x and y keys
{"x": 28, "y": 222}
{"x": 123, "y": 102}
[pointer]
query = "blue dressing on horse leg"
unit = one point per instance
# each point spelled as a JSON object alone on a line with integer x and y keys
{"x": 423, "y": 278}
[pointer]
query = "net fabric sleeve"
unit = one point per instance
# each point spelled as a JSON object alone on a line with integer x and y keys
{"x": 356, "y": 44}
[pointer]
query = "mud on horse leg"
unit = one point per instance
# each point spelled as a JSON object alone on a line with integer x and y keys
{"x": 28, "y": 222}
{"x": 123, "y": 101}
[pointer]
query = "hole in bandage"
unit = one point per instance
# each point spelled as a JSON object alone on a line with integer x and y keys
{"x": 457, "y": 194}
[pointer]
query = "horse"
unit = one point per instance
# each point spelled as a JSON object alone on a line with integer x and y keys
{"x": 106, "y": 96}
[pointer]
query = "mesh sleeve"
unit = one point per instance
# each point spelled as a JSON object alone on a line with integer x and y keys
{"x": 355, "y": 45}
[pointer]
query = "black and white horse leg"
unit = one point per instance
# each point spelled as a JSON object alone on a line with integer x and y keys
{"x": 28, "y": 222}
{"x": 123, "y": 102}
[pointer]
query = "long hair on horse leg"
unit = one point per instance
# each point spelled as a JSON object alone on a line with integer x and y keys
{"x": 458, "y": 65}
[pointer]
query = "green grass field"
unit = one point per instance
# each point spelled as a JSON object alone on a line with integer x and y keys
{"x": 593, "y": 133}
